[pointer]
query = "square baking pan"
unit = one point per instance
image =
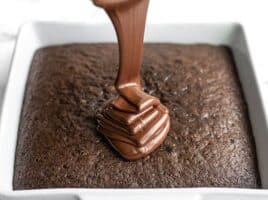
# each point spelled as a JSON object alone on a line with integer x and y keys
{"x": 41, "y": 34}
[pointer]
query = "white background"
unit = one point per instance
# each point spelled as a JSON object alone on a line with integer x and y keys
{"x": 253, "y": 14}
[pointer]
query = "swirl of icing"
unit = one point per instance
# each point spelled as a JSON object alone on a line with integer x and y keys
{"x": 134, "y": 123}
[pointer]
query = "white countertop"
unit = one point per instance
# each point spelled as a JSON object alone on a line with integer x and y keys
{"x": 251, "y": 14}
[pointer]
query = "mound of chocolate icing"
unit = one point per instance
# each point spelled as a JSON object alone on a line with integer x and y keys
{"x": 134, "y": 134}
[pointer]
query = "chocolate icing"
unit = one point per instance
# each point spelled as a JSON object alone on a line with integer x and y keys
{"x": 134, "y": 123}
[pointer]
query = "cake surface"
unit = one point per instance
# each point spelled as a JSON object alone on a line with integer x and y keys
{"x": 210, "y": 142}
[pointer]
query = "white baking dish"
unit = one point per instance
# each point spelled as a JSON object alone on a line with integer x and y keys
{"x": 40, "y": 34}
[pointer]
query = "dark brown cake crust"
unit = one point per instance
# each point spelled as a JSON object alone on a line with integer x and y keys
{"x": 209, "y": 144}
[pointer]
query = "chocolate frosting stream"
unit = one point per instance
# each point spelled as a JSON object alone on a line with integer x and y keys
{"x": 134, "y": 123}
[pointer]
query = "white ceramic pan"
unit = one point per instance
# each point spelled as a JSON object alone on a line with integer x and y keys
{"x": 40, "y": 34}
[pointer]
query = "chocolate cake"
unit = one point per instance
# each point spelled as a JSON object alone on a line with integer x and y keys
{"x": 210, "y": 141}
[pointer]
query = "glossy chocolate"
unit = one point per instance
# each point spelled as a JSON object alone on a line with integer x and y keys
{"x": 135, "y": 123}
